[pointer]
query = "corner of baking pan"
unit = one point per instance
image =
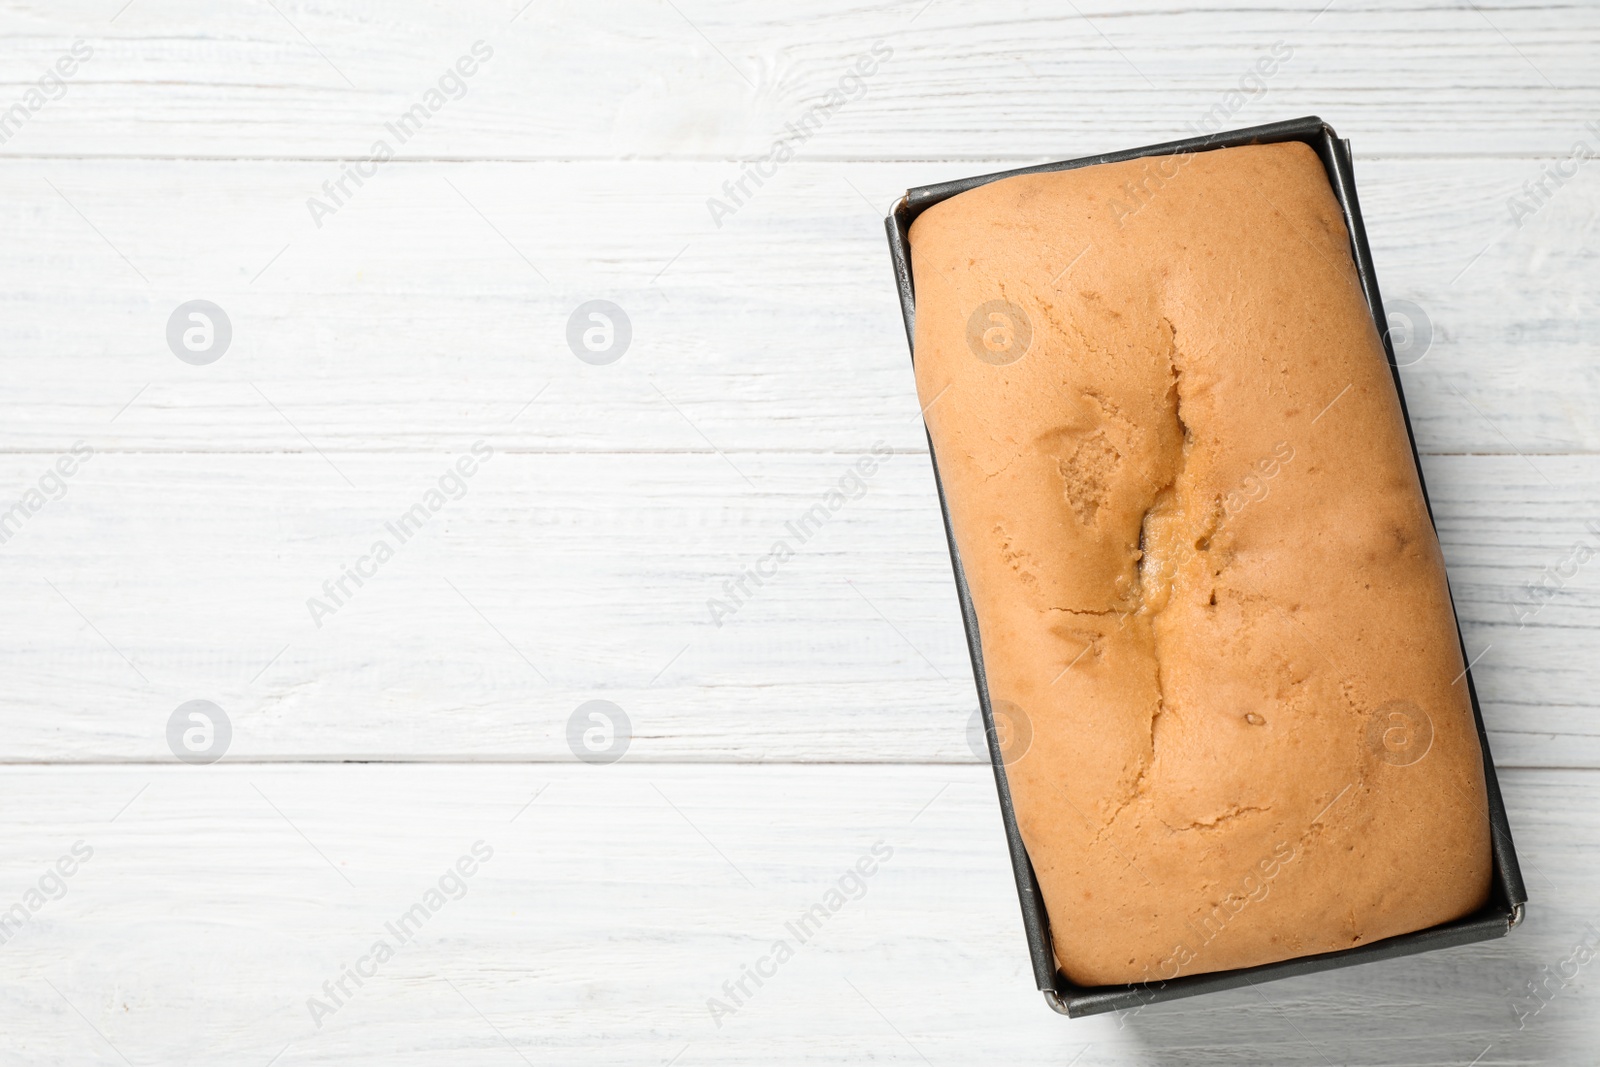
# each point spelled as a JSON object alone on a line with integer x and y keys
{"x": 1057, "y": 1004}
{"x": 1518, "y": 913}
{"x": 898, "y": 231}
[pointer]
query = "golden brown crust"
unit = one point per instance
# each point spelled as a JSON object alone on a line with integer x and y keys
{"x": 1204, "y": 573}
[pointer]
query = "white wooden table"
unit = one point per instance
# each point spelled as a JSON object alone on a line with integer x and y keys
{"x": 381, "y": 334}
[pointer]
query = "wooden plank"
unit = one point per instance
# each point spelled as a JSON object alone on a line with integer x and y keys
{"x": 964, "y": 79}
{"x": 557, "y": 579}
{"x": 217, "y": 902}
{"x": 420, "y": 319}
{"x": 429, "y": 312}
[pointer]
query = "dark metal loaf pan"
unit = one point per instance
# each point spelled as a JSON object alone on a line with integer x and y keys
{"x": 1507, "y": 896}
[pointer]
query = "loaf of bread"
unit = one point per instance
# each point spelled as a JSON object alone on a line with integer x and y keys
{"x": 1212, "y": 605}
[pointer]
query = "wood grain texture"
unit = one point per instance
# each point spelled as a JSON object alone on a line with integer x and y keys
{"x": 966, "y": 79}
{"x": 429, "y": 312}
{"x": 435, "y": 303}
{"x": 556, "y": 579}
{"x": 619, "y": 901}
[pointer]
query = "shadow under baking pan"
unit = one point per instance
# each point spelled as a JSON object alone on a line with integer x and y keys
{"x": 1422, "y": 1009}
{"x": 1507, "y": 895}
